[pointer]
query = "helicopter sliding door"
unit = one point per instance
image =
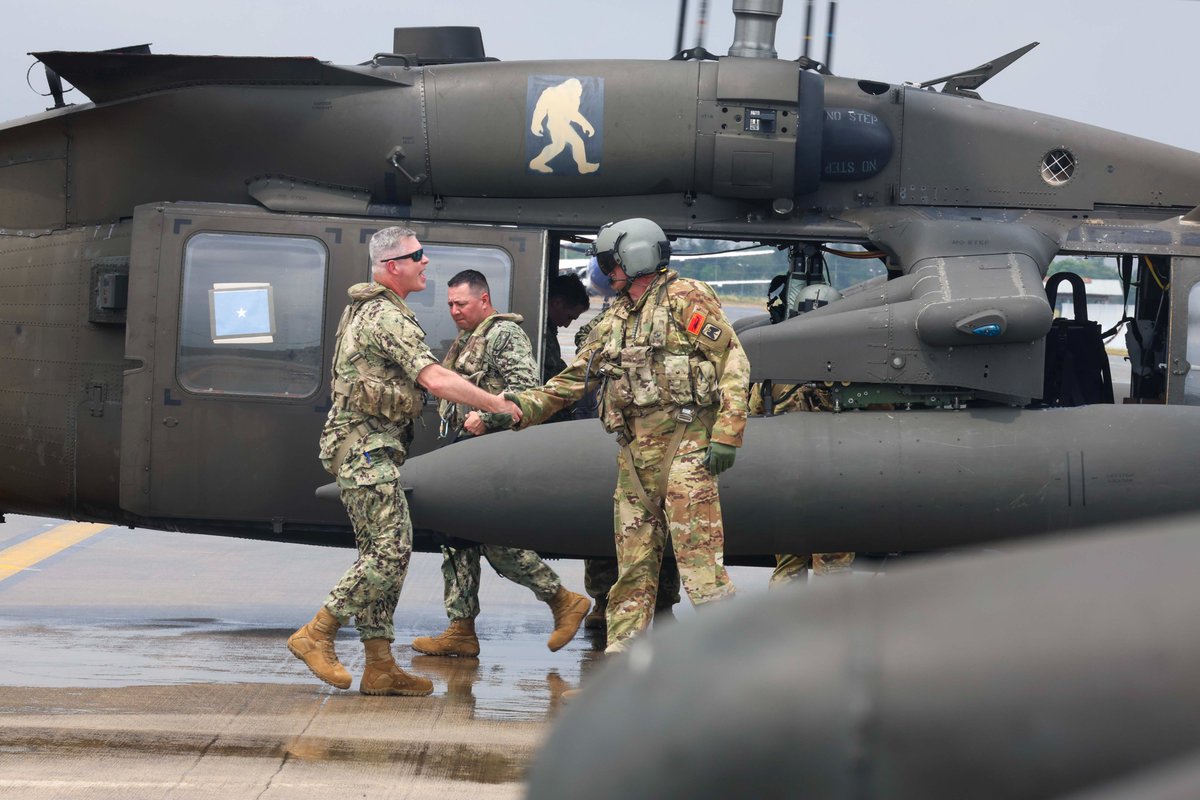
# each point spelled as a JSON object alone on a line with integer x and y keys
{"x": 233, "y": 312}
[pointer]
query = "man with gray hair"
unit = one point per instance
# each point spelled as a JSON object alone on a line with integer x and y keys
{"x": 380, "y": 366}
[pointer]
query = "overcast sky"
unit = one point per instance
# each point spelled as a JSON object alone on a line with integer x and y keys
{"x": 1120, "y": 64}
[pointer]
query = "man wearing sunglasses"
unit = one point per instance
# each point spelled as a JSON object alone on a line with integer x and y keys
{"x": 381, "y": 364}
{"x": 674, "y": 390}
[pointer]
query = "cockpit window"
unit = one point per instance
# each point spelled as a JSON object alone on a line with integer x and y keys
{"x": 251, "y": 315}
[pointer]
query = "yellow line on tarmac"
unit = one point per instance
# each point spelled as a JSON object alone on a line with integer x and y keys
{"x": 24, "y": 555}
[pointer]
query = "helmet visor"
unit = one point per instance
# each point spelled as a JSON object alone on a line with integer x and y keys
{"x": 607, "y": 261}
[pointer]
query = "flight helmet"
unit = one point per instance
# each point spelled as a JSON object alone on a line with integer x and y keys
{"x": 636, "y": 245}
{"x": 816, "y": 295}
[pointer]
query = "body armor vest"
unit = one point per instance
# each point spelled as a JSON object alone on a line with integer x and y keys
{"x": 375, "y": 390}
{"x": 468, "y": 357}
{"x": 660, "y": 369}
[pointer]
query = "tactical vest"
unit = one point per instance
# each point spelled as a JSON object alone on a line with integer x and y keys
{"x": 468, "y": 357}
{"x": 377, "y": 390}
{"x": 659, "y": 370}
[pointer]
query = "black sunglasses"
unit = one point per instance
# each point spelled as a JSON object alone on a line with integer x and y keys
{"x": 415, "y": 255}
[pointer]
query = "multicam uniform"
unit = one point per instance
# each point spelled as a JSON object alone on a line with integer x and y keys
{"x": 799, "y": 397}
{"x": 675, "y": 376}
{"x": 495, "y": 356}
{"x": 380, "y": 351}
{"x": 599, "y": 574}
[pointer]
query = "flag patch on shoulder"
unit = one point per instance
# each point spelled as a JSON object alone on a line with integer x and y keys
{"x": 695, "y": 323}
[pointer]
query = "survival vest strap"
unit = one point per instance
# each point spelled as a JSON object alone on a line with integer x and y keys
{"x": 659, "y": 509}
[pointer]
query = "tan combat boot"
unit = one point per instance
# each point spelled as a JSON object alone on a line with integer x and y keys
{"x": 383, "y": 676}
{"x": 595, "y": 620}
{"x": 568, "y": 609}
{"x": 458, "y": 639}
{"x": 313, "y": 644}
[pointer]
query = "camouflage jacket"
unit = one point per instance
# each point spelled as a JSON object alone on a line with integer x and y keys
{"x": 495, "y": 356}
{"x": 586, "y": 329}
{"x": 672, "y": 349}
{"x": 380, "y": 351}
{"x": 552, "y": 360}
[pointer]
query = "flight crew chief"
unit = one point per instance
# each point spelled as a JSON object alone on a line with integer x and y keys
{"x": 380, "y": 364}
{"x": 675, "y": 381}
{"x": 494, "y": 353}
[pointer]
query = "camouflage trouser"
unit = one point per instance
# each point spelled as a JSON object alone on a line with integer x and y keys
{"x": 370, "y": 589}
{"x": 460, "y": 569}
{"x": 790, "y": 568}
{"x": 693, "y": 512}
{"x": 599, "y": 574}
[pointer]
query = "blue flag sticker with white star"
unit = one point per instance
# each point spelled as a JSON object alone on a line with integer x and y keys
{"x": 242, "y": 313}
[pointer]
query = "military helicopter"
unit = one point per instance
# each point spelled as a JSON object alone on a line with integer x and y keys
{"x": 174, "y": 254}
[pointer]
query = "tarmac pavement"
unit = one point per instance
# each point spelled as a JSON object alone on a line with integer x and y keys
{"x": 144, "y": 664}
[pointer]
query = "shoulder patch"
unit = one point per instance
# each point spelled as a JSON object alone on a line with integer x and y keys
{"x": 711, "y": 331}
{"x": 696, "y": 323}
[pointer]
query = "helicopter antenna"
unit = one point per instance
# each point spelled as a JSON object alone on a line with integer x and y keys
{"x": 702, "y": 24}
{"x": 682, "y": 24}
{"x": 53, "y": 82}
{"x": 829, "y": 35}
{"x": 808, "y": 14}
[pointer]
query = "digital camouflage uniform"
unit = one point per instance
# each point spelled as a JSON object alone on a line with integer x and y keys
{"x": 495, "y": 356}
{"x": 380, "y": 351}
{"x": 799, "y": 397}
{"x": 669, "y": 356}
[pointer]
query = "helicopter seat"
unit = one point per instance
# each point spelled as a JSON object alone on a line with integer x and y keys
{"x": 1076, "y": 369}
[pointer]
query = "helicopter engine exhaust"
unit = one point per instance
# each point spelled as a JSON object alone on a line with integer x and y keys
{"x": 754, "y": 28}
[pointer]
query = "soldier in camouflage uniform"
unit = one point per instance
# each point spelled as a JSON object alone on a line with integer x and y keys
{"x": 599, "y": 574}
{"x": 493, "y": 353}
{"x": 380, "y": 365}
{"x": 566, "y": 301}
{"x": 675, "y": 381}
{"x": 787, "y": 397}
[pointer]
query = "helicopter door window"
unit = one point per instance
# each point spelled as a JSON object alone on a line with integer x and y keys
{"x": 446, "y": 261}
{"x": 251, "y": 315}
